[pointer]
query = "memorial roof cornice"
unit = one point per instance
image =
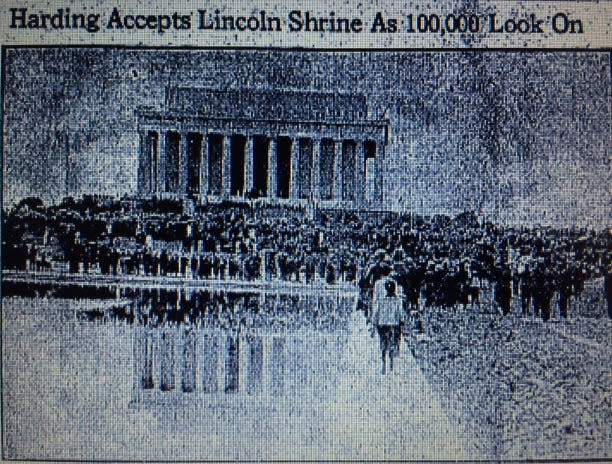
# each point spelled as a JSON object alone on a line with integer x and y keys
{"x": 267, "y": 104}
{"x": 177, "y": 115}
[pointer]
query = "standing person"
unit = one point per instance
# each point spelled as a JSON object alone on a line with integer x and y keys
{"x": 608, "y": 291}
{"x": 164, "y": 262}
{"x": 194, "y": 266}
{"x": 503, "y": 289}
{"x": 537, "y": 289}
{"x": 387, "y": 318}
{"x": 564, "y": 287}
{"x": 548, "y": 289}
{"x": 525, "y": 288}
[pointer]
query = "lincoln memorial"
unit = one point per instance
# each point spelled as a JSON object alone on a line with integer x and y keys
{"x": 276, "y": 144}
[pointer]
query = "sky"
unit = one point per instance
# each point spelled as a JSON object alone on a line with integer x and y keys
{"x": 519, "y": 137}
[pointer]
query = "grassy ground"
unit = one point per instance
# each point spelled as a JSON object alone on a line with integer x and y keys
{"x": 525, "y": 389}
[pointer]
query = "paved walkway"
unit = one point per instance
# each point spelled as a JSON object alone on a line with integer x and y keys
{"x": 392, "y": 416}
{"x": 367, "y": 416}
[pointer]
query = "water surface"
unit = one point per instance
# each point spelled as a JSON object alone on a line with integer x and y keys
{"x": 202, "y": 374}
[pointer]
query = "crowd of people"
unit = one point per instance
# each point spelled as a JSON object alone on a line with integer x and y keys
{"x": 436, "y": 261}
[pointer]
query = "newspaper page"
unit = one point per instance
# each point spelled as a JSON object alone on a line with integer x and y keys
{"x": 305, "y": 231}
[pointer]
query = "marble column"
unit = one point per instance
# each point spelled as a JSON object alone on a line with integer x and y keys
{"x": 142, "y": 163}
{"x": 378, "y": 174}
{"x": 159, "y": 174}
{"x": 226, "y": 165}
{"x": 204, "y": 165}
{"x": 183, "y": 163}
{"x": 337, "y": 177}
{"x": 248, "y": 165}
{"x": 294, "y": 186}
{"x": 360, "y": 180}
{"x": 272, "y": 170}
{"x": 315, "y": 178}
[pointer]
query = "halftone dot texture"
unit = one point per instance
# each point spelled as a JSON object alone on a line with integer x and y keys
{"x": 196, "y": 242}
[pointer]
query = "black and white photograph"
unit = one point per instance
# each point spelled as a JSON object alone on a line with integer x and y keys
{"x": 220, "y": 254}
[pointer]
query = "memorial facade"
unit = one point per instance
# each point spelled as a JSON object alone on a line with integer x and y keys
{"x": 281, "y": 145}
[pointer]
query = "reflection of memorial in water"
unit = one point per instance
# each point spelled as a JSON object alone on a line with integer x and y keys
{"x": 251, "y": 345}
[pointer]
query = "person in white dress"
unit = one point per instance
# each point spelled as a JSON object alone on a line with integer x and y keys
{"x": 387, "y": 317}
